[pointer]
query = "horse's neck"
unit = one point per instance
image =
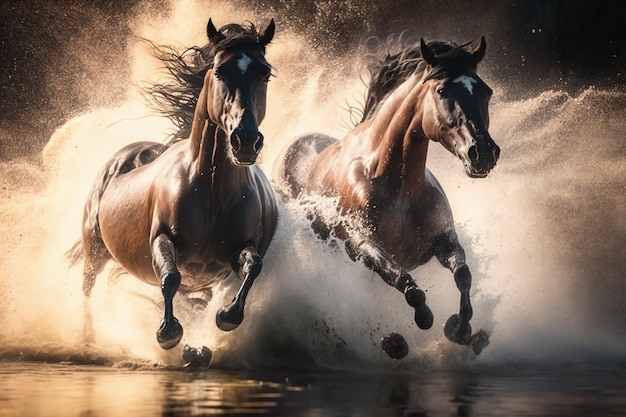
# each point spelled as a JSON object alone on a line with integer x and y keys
{"x": 398, "y": 142}
{"x": 209, "y": 151}
{"x": 213, "y": 167}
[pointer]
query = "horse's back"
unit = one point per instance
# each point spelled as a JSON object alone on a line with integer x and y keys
{"x": 297, "y": 159}
{"x": 123, "y": 161}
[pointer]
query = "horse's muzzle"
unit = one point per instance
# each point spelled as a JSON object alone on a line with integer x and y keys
{"x": 481, "y": 158}
{"x": 246, "y": 145}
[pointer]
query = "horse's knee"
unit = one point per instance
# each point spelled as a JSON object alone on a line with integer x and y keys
{"x": 248, "y": 263}
{"x": 252, "y": 265}
{"x": 403, "y": 282}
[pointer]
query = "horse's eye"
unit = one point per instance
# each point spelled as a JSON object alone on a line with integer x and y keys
{"x": 442, "y": 91}
{"x": 267, "y": 78}
{"x": 218, "y": 75}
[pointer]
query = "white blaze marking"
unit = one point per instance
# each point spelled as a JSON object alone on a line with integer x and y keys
{"x": 467, "y": 82}
{"x": 243, "y": 63}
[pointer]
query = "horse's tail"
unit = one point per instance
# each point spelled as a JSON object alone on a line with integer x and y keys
{"x": 75, "y": 253}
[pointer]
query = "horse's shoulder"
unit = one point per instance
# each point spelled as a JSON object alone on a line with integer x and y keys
{"x": 434, "y": 184}
{"x": 262, "y": 185}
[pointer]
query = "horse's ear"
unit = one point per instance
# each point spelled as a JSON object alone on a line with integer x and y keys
{"x": 427, "y": 55}
{"x": 267, "y": 34}
{"x": 211, "y": 31}
{"x": 479, "y": 51}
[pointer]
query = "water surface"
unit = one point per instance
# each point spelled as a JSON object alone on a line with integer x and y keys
{"x": 39, "y": 389}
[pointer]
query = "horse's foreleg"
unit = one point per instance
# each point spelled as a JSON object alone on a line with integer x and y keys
{"x": 164, "y": 263}
{"x": 458, "y": 329}
{"x": 376, "y": 258}
{"x": 249, "y": 266}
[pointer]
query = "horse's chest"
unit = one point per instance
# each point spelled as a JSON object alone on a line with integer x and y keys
{"x": 208, "y": 233}
{"x": 408, "y": 231}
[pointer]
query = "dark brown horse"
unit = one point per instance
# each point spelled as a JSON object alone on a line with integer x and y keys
{"x": 186, "y": 214}
{"x": 427, "y": 92}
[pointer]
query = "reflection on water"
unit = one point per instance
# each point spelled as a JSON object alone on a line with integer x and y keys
{"x": 68, "y": 390}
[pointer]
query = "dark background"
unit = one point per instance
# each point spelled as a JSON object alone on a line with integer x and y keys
{"x": 56, "y": 55}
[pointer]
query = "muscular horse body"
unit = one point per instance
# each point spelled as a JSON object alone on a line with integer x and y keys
{"x": 427, "y": 92}
{"x": 184, "y": 215}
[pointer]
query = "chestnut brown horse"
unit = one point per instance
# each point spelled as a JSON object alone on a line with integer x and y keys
{"x": 426, "y": 92}
{"x": 186, "y": 214}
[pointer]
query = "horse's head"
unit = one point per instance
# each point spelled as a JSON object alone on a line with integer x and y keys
{"x": 237, "y": 86}
{"x": 456, "y": 112}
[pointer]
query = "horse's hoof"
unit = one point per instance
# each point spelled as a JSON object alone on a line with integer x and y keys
{"x": 395, "y": 346}
{"x": 197, "y": 358}
{"x": 479, "y": 341}
{"x": 228, "y": 318}
{"x": 417, "y": 299}
{"x": 458, "y": 330}
{"x": 169, "y": 336}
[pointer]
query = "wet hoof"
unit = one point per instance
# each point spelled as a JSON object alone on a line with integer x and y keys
{"x": 458, "y": 330}
{"x": 229, "y": 317}
{"x": 169, "y": 336}
{"x": 197, "y": 358}
{"x": 417, "y": 299}
{"x": 395, "y": 346}
{"x": 479, "y": 341}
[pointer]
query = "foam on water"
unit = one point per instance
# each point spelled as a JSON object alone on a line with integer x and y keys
{"x": 544, "y": 235}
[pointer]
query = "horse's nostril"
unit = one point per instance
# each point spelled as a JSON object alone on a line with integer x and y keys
{"x": 496, "y": 153}
{"x": 472, "y": 153}
{"x": 235, "y": 142}
{"x": 258, "y": 145}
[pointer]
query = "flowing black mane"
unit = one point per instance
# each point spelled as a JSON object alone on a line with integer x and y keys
{"x": 388, "y": 73}
{"x": 176, "y": 97}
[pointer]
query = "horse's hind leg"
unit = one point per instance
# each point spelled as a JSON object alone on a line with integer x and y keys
{"x": 458, "y": 329}
{"x": 95, "y": 256}
{"x": 249, "y": 265}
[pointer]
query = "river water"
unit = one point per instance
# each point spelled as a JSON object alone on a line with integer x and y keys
{"x": 73, "y": 390}
{"x": 545, "y": 236}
